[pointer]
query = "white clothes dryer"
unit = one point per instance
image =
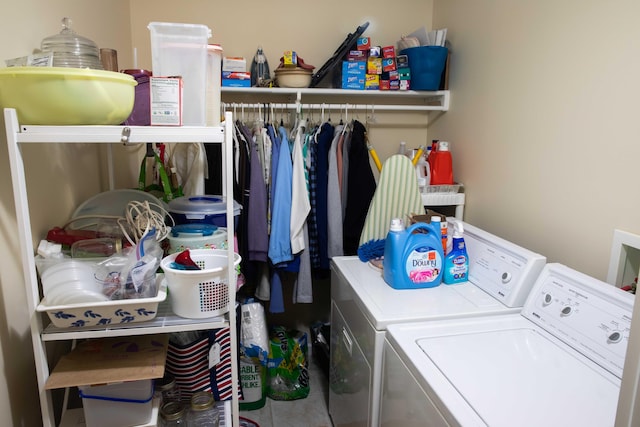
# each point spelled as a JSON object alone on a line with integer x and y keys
{"x": 363, "y": 305}
{"x": 557, "y": 363}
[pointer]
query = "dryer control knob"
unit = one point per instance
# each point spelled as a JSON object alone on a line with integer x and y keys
{"x": 615, "y": 337}
{"x": 506, "y": 277}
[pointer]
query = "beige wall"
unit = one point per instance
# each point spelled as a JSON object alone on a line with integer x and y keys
{"x": 541, "y": 121}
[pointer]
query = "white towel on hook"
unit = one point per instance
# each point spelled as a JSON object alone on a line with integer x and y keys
{"x": 300, "y": 204}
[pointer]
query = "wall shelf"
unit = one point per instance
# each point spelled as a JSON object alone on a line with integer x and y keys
{"x": 409, "y": 100}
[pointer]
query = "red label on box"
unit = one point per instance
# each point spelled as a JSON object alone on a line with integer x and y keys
{"x": 388, "y": 52}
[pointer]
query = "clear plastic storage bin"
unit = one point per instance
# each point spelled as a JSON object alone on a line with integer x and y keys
{"x": 119, "y": 404}
{"x": 181, "y": 50}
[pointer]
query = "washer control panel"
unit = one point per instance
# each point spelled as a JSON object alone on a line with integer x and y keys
{"x": 591, "y": 316}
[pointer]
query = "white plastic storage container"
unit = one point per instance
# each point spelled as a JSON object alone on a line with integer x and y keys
{"x": 204, "y": 209}
{"x": 119, "y": 404}
{"x": 197, "y": 236}
{"x": 181, "y": 50}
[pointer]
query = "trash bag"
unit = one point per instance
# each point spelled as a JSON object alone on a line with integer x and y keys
{"x": 287, "y": 365}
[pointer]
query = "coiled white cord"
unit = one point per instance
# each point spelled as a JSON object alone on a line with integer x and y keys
{"x": 140, "y": 217}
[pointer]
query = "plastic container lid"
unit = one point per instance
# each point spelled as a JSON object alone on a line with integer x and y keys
{"x": 186, "y": 230}
{"x": 202, "y": 205}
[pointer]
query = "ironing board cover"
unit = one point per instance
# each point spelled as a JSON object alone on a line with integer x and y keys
{"x": 397, "y": 196}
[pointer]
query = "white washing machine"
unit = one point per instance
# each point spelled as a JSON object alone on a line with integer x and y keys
{"x": 501, "y": 275}
{"x": 557, "y": 363}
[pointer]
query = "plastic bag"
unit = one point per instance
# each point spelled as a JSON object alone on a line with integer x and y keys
{"x": 165, "y": 189}
{"x": 287, "y": 365}
{"x": 132, "y": 273}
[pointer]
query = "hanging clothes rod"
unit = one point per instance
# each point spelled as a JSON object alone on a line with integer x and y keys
{"x": 346, "y": 106}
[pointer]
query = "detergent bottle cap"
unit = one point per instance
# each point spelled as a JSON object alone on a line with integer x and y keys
{"x": 396, "y": 225}
{"x": 443, "y": 146}
{"x": 436, "y": 218}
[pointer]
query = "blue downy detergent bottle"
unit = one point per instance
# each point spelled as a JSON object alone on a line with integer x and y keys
{"x": 413, "y": 259}
{"x": 456, "y": 263}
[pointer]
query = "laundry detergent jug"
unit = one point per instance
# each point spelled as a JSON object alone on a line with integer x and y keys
{"x": 413, "y": 258}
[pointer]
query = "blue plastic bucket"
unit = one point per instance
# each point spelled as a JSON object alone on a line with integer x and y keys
{"x": 426, "y": 64}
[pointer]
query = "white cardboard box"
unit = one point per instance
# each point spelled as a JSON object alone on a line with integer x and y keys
{"x": 166, "y": 101}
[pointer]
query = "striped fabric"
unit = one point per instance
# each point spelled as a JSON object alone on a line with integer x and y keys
{"x": 220, "y": 374}
{"x": 397, "y": 196}
{"x": 204, "y": 365}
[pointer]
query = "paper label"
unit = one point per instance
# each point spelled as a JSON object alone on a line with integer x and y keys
{"x": 214, "y": 355}
{"x": 423, "y": 265}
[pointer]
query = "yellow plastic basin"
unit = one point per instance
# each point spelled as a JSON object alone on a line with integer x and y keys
{"x": 67, "y": 96}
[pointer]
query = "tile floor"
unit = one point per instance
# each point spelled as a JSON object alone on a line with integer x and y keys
{"x": 312, "y": 411}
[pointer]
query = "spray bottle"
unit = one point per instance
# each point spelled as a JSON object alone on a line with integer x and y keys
{"x": 456, "y": 263}
{"x": 413, "y": 259}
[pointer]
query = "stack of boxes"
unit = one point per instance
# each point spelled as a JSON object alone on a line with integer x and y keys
{"x": 234, "y": 72}
{"x": 375, "y": 68}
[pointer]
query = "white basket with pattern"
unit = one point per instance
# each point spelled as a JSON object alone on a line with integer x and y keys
{"x": 197, "y": 294}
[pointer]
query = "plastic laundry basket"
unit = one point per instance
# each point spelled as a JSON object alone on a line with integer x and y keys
{"x": 197, "y": 294}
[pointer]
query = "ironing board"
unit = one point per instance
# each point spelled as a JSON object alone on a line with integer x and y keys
{"x": 396, "y": 196}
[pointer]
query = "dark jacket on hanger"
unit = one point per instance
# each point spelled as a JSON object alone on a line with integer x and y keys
{"x": 361, "y": 185}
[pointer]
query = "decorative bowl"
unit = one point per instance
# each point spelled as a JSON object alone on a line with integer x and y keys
{"x": 293, "y": 77}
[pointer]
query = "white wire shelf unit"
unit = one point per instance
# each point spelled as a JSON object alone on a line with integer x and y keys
{"x": 165, "y": 321}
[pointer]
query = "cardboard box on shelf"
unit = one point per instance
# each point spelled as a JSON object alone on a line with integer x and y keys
{"x": 234, "y": 63}
{"x": 414, "y": 218}
{"x": 363, "y": 43}
{"x": 236, "y": 83}
{"x": 111, "y": 360}
{"x": 237, "y": 75}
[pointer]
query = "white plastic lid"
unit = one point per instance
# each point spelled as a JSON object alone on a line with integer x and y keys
{"x": 396, "y": 224}
{"x": 436, "y": 219}
{"x": 203, "y": 205}
{"x": 443, "y": 146}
